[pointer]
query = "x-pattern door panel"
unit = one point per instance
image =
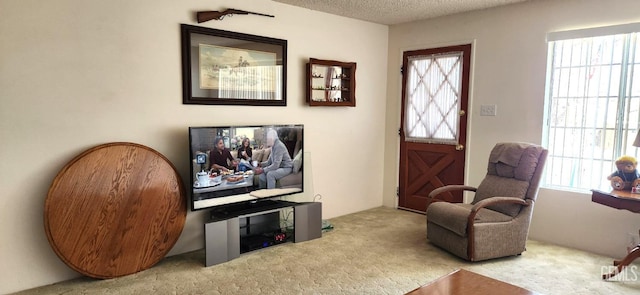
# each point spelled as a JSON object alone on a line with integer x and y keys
{"x": 431, "y": 168}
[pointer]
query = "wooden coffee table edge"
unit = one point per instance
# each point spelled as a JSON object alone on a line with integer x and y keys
{"x": 459, "y": 274}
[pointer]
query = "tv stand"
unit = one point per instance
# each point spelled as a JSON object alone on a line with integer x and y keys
{"x": 249, "y": 226}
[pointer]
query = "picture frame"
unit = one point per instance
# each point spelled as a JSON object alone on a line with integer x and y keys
{"x": 229, "y": 68}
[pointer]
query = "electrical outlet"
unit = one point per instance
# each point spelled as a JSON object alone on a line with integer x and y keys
{"x": 488, "y": 110}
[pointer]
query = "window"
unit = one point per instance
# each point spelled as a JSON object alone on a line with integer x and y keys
{"x": 592, "y": 104}
{"x": 433, "y": 97}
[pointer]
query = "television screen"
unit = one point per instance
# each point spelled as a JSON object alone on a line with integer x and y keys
{"x": 235, "y": 164}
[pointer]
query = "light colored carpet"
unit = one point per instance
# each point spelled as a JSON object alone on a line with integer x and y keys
{"x": 377, "y": 251}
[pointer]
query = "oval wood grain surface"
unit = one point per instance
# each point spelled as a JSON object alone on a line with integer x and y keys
{"x": 114, "y": 210}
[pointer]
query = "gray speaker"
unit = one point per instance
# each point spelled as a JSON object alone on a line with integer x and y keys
{"x": 221, "y": 241}
{"x": 307, "y": 221}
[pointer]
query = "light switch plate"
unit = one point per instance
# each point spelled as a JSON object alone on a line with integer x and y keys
{"x": 488, "y": 110}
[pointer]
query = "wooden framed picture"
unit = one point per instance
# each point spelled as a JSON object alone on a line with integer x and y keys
{"x": 228, "y": 68}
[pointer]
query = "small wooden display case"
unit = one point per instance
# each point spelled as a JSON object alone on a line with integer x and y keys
{"x": 331, "y": 83}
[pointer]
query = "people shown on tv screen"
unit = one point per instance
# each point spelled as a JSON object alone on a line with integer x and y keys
{"x": 221, "y": 159}
{"x": 245, "y": 153}
{"x": 278, "y": 165}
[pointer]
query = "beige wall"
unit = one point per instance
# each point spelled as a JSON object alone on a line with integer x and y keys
{"x": 508, "y": 70}
{"x": 75, "y": 74}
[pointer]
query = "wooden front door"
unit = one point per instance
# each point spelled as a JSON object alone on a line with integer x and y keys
{"x": 435, "y": 90}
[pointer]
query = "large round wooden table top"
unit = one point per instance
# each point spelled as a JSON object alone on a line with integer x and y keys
{"x": 114, "y": 210}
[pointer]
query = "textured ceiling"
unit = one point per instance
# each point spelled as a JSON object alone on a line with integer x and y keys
{"x": 390, "y": 12}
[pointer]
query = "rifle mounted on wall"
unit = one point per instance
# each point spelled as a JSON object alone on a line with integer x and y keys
{"x": 204, "y": 16}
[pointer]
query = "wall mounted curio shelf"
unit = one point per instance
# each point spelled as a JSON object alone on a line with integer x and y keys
{"x": 331, "y": 83}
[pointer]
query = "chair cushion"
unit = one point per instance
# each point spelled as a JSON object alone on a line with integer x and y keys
{"x": 454, "y": 216}
{"x": 451, "y": 216}
{"x": 261, "y": 155}
{"x": 297, "y": 162}
{"x": 495, "y": 186}
{"x": 257, "y": 155}
{"x": 514, "y": 160}
{"x": 266, "y": 154}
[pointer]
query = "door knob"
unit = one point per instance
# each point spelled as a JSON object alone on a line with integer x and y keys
{"x": 459, "y": 147}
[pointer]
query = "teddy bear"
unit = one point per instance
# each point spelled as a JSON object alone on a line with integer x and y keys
{"x": 627, "y": 176}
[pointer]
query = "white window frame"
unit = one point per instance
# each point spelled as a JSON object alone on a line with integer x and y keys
{"x": 586, "y": 130}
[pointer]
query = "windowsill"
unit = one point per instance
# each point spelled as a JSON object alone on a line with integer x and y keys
{"x": 605, "y": 188}
{"x": 566, "y": 189}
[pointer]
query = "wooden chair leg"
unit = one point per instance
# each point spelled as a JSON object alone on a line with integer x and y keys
{"x": 621, "y": 264}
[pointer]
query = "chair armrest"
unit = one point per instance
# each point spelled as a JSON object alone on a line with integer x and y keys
{"x": 433, "y": 195}
{"x": 497, "y": 200}
{"x": 492, "y": 201}
{"x": 448, "y": 188}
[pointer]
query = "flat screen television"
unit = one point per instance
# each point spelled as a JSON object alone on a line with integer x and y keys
{"x": 224, "y": 172}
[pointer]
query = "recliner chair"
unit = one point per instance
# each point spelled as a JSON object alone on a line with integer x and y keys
{"x": 496, "y": 223}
